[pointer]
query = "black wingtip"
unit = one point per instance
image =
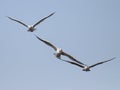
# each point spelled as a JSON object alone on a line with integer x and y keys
{"x": 52, "y": 13}
{"x": 36, "y": 36}
{"x": 113, "y": 58}
{"x": 39, "y": 38}
{"x": 110, "y": 59}
{"x": 8, "y": 17}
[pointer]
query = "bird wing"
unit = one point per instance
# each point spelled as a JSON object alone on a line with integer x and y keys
{"x": 72, "y": 58}
{"x": 46, "y": 42}
{"x": 42, "y": 19}
{"x": 18, "y": 21}
{"x": 100, "y": 63}
{"x": 79, "y": 65}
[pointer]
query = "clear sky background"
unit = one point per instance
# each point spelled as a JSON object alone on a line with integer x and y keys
{"x": 89, "y": 30}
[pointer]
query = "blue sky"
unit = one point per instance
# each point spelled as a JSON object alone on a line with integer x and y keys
{"x": 89, "y": 30}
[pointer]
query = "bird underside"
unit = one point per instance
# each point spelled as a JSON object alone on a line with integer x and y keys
{"x": 31, "y": 29}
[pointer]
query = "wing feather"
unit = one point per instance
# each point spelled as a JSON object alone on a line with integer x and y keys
{"x": 46, "y": 42}
{"x": 42, "y": 19}
{"x": 73, "y": 63}
{"x": 72, "y": 58}
{"x": 18, "y": 21}
{"x": 101, "y": 62}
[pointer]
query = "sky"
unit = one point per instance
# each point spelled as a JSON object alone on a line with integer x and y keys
{"x": 89, "y": 30}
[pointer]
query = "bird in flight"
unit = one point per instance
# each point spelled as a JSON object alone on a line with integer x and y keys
{"x": 85, "y": 67}
{"x": 31, "y": 28}
{"x": 58, "y": 51}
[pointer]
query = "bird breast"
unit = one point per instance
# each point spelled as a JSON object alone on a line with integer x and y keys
{"x": 59, "y": 50}
{"x": 86, "y": 68}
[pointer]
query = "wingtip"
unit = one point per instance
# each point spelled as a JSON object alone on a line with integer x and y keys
{"x": 53, "y": 13}
{"x": 113, "y": 58}
{"x": 8, "y": 17}
{"x": 36, "y": 36}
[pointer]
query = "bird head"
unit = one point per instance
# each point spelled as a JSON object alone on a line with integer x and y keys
{"x": 31, "y": 28}
{"x": 59, "y": 50}
{"x": 86, "y": 68}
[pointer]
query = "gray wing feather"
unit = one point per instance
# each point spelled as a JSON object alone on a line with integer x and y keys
{"x": 100, "y": 63}
{"x": 18, "y": 21}
{"x": 72, "y": 58}
{"x": 46, "y": 42}
{"x": 73, "y": 63}
{"x": 42, "y": 19}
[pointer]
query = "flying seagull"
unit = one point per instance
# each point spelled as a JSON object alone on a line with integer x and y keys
{"x": 58, "y": 51}
{"x": 31, "y": 28}
{"x": 85, "y": 67}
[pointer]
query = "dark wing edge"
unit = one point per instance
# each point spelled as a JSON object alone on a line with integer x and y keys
{"x": 73, "y": 63}
{"x": 101, "y": 62}
{"x": 72, "y": 58}
{"x": 46, "y": 42}
{"x": 43, "y": 19}
{"x": 18, "y": 21}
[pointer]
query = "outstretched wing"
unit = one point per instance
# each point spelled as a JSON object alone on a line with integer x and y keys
{"x": 72, "y": 58}
{"x": 73, "y": 63}
{"x": 42, "y": 19}
{"x": 46, "y": 42}
{"x": 100, "y": 63}
{"x": 18, "y": 21}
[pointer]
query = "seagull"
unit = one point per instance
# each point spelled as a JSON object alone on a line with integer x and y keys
{"x": 31, "y": 28}
{"x": 85, "y": 67}
{"x": 58, "y": 51}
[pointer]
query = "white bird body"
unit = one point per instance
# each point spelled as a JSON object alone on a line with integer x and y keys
{"x": 31, "y": 28}
{"x": 58, "y": 51}
{"x": 85, "y": 67}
